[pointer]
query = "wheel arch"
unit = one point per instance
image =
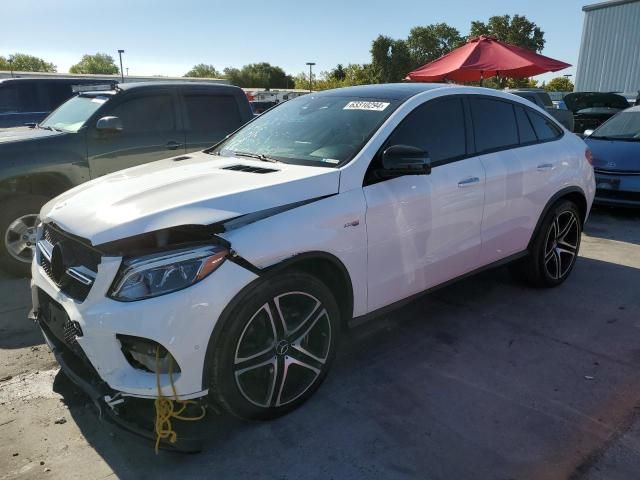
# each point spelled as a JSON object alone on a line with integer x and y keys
{"x": 325, "y": 266}
{"x": 330, "y": 270}
{"x": 575, "y": 194}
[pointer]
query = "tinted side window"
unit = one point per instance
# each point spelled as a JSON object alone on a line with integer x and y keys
{"x": 545, "y": 128}
{"x": 212, "y": 113}
{"x": 527, "y": 135}
{"x": 437, "y": 127}
{"x": 152, "y": 113}
{"x": 8, "y": 98}
{"x": 19, "y": 98}
{"x": 494, "y": 124}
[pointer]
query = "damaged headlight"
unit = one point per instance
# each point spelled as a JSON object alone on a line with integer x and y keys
{"x": 165, "y": 272}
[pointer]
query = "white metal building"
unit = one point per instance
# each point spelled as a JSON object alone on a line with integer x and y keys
{"x": 609, "y": 58}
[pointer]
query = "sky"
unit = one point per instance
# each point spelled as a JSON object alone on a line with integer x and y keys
{"x": 167, "y": 37}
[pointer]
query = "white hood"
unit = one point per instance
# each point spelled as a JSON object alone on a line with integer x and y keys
{"x": 196, "y": 191}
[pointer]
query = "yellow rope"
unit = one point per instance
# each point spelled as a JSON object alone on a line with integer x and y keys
{"x": 165, "y": 407}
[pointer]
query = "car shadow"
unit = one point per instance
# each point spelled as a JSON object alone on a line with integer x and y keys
{"x": 16, "y": 331}
{"x": 614, "y": 224}
{"x": 485, "y": 378}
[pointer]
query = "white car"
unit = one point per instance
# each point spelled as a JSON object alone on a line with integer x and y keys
{"x": 238, "y": 267}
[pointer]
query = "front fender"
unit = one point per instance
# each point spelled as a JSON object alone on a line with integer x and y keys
{"x": 334, "y": 225}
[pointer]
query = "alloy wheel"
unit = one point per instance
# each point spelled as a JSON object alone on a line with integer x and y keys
{"x": 561, "y": 245}
{"x": 20, "y": 237}
{"x": 282, "y": 350}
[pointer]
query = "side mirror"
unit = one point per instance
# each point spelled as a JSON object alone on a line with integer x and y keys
{"x": 587, "y": 132}
{"x": 109, "y": 125}
{"x": 405, "y": 160}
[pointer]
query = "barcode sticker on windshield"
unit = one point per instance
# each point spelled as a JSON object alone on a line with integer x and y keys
{"x": 374, "y": 106}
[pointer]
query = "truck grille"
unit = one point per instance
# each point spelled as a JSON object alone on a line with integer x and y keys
{"x": 69, "y": 261}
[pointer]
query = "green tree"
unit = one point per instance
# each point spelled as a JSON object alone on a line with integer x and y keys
{"x": 431, "y": 42}
{"x": 354, "y": 74}
{"x": 21, "y": 62}
{"x": 559, "y": 84}
{"x": 338, "y": 73}
{"x": 517, "y": 30}
{"x": 390, "y": 59}
{"x": 259, "y": 75}
{"x": 100, "y": 63}
{"x": 203, "y": 70}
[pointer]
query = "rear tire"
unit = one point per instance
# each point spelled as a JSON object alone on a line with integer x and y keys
{"x": 18, "y": 220}
{"x": 554, "y": 249}
{"x": 275, "y": 347}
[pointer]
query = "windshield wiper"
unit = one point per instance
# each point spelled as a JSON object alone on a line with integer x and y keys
{"x": 261, "y": 156}
{"x": 48, "y": 127}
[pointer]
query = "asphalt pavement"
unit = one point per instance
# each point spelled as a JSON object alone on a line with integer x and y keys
{"x": 484, "y": 379}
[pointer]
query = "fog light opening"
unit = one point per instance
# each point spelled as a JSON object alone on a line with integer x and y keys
{"x": 141, "y": 354}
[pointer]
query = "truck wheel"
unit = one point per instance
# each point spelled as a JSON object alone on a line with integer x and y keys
{"x": 18, "y": 221}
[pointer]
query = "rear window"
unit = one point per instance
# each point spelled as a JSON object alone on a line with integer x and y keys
{"x": 545, "y": 129}
{"x": 527, "y": 135}
{"x": 15, "y": 98}
{"x": 215, "y": 114}
{"x": 494, "y": 124}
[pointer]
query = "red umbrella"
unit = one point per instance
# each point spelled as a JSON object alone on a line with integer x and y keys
{"x": 484, "y": 57}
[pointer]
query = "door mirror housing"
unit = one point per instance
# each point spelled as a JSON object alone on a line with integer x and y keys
{"x": 109, "y": 125}
{"x": 400, "y": 160}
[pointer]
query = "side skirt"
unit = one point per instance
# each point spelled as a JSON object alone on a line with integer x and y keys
{"x": 356, "y": 321}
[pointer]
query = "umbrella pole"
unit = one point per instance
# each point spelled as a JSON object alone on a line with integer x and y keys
{"x": 481, "y": 77}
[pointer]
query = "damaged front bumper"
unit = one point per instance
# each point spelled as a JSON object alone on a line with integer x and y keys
{"x": 134, "y": 415}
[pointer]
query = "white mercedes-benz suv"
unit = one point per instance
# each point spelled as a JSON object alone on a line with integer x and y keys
{"x": 238, "y": 267}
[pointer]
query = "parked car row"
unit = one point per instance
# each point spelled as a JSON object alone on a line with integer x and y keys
{"x": 578, "y": 111}
{"x": 236, "y": 255}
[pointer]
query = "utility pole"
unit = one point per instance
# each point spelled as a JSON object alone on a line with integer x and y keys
{"x": 10, "y": 60}
{"x": 311, "y": 64}
{"x": 120, "y": 52}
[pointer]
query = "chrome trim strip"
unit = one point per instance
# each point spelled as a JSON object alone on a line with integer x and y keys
{"x": 81, "y": 274}
{"x": 616, "y": 172}
{"x": 45, "y": 249}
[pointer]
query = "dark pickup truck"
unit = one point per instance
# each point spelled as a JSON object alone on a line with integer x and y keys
{"x": 30, "y": 100}
{"x": 99, "y": 132}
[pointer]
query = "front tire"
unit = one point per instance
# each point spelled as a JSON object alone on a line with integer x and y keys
{"x": 275, "y": 347}
{"x": 554, "y": 249}
{"x": 18, "y": 221}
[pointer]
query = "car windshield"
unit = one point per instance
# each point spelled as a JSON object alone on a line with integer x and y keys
{"x": 324, "y": 130}
{"x": 624, "y": 126}
{"x": 73, "y": 114}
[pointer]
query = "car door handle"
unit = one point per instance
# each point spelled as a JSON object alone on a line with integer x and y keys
{"x": 544, "y": 166}
{"x": 468, "y": 182}
{"x": 174, "y": 145}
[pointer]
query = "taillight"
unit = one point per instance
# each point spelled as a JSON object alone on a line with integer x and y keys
{"x": 589, "y": 156}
